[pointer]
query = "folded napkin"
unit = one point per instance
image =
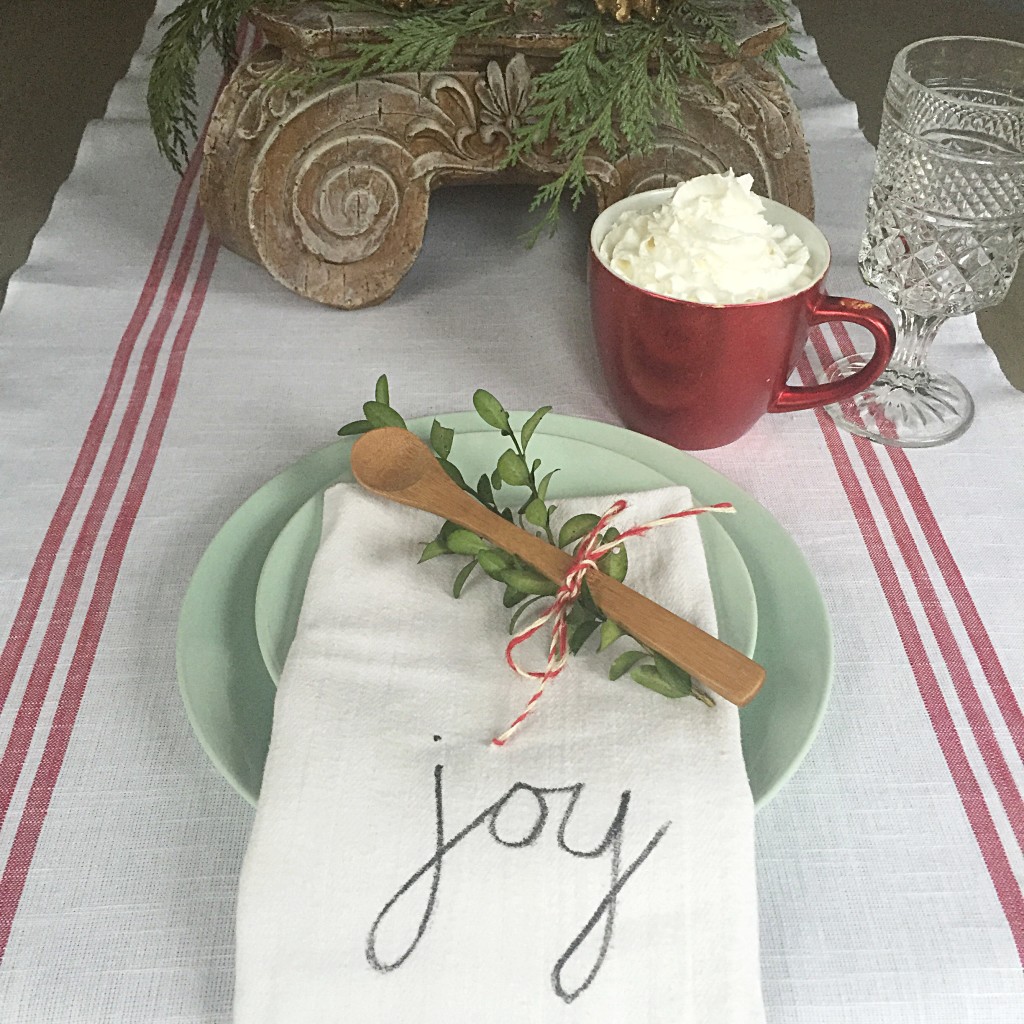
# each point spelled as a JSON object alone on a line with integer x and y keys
{"x": 598, "y": 868}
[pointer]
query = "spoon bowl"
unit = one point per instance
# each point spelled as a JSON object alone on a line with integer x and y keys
{"x": 391, "y": 460}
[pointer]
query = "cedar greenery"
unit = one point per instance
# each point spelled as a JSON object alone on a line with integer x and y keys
{"x": 517, "y": 491}
{"x": 188, "y": 30}
{"x": 608, "y": 87}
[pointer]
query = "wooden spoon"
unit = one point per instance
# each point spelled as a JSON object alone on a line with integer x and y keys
{"x": 396, "y": 464}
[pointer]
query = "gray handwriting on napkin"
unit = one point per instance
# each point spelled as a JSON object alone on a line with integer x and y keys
{"x": 490, "y": 816}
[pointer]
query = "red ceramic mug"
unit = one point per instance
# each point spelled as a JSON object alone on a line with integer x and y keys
{"x": 699, "y": 376}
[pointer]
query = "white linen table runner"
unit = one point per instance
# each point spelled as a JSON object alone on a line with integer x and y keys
{"x": 150, "y": 381}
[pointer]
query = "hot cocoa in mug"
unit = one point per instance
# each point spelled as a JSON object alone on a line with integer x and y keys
{"x": 701, "y": 298}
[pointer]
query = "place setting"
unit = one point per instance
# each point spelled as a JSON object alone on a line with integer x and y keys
{"x": 354, "y": 666}
{"x": 431, "y": 701}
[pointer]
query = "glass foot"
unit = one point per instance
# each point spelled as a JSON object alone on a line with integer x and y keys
{"x": 906, "y": 407}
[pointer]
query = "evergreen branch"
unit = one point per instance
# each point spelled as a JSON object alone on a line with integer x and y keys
{"x": 171, "y": 95}
{"x": 421, "y": 41}
{"x": 779, "y": 7}
{"x": 715, "y": 27}
{"x": 609, "y": 88}
{"x": 782, "y": 48}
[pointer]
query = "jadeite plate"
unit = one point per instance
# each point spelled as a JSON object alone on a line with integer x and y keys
{"x": 229, "y": 694}
{"x": 285, "y": 572}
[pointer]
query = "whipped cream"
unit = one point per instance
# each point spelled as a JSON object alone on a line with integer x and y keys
{"x": 709, "y": 243}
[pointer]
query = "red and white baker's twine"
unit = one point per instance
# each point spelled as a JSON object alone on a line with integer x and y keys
{"x": 585, "y": 558}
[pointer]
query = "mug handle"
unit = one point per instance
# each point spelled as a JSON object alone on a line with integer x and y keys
{"x": 854, "y": 311}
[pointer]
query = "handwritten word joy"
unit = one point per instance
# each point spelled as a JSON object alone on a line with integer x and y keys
{"x": 490, "y": 819}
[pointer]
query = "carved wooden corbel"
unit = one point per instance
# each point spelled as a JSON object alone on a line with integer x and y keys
{"x": 329, "y": 189}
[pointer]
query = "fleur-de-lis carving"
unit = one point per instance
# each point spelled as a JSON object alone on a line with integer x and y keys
{"x": 471, "y": 119}
{"x": 504, "y": 97}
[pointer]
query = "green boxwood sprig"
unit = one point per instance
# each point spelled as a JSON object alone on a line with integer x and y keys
{"x": 528, "y": 507}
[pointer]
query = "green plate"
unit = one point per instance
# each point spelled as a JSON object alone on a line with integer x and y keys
{"x": 229, "y": 694}
{"x": 285, "y": 572}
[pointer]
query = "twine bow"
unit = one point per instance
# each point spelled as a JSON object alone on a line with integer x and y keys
{"x": 586, "y": 557}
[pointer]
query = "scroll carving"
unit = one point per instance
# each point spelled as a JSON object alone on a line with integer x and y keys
{"x": 344, "y": 204}
{"x": 757, "y": 103}
{"x": 268, "y": 100}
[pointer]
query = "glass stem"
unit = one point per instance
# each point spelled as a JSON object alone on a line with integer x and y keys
{"x": 914, "y": 336}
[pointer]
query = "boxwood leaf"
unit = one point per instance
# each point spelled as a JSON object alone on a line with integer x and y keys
{"x": 441, "y": 439}
{"x": 465, "y": 542}
{"x": 649, "y": 676}
{"x": 495, "y": 562}
{"x": 654, "y": 679}
{"x": 576, "y": 527}
{"x": 536, "y": 512}
{"x": 513, "y": 469}
{"x": 624, "y": 662}
{"x": 355, "y": 427}
{"x": 490, "y": 410}
{"x": 615, "y": 563}
{"x": 381, "y": 415}
{"x": 672, "y": 673}
{"x": 483, "y": 490}
{"x": 519, "y": 613}
{"x": 453, "y": 471}
{"x": 610, "y": 632}
{"x": 530, "y": 426}
{"x": 433, "y": 549}
{"x": 460, "y": 580}
{"x": 576, "y": 615}
{"x": 527, "y": 581}
{"x": 580, "y": 634}
{"x": 587, "y": 600}
{"x": 542, "y": 487}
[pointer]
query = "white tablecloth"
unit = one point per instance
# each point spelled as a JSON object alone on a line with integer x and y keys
{"x": 150, "y": 381}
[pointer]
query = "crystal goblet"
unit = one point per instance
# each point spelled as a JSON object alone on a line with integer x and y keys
{"x": 945, "y": 224}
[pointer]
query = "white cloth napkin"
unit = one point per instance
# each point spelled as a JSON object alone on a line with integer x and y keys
{"x": 599, "y": 868}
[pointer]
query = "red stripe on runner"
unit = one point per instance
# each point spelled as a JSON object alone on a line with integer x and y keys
{"x": 56, "y": 632}
{"x": 981, "y": 642}
{"x": 12, "y": 883}
{"x": 949, "y": 647}
{"x": 42, "y": 567}
{"x": 30, "y": 824}
{"x": 1005, "y": 883}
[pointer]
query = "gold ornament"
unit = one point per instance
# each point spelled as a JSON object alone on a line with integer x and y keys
{"x": 623, "y": 9}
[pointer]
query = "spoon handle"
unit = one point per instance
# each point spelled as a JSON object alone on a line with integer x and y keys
{"x": 718, "y": 666}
